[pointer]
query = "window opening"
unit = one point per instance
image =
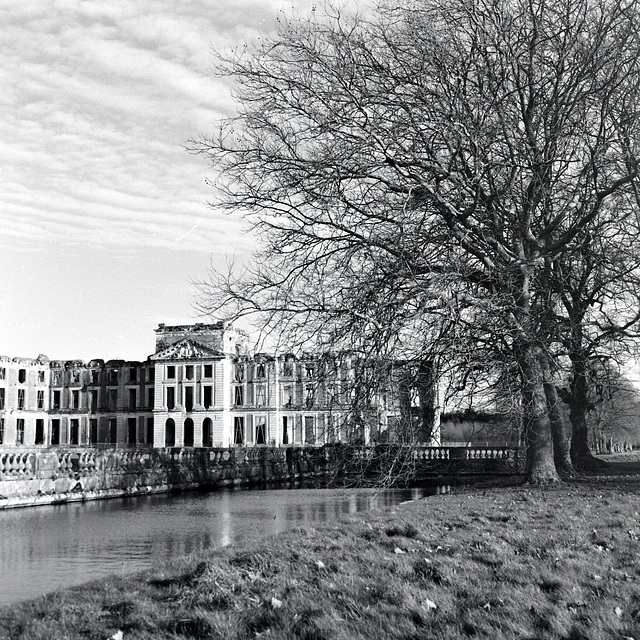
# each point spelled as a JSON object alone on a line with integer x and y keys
{"x": 188, "y": 433}
{"x": 55, "y": 432}
{"x": 170, "y": 433}
{"x": 39, "y": 431}
{"x": 74, "y": 432}
{"x": 238, "y": 430}
{"x": 171, "y": 398}
{"x": 188, "y": 398}
{"x": 261, "y": 430}
{"x": 207, "y": 433}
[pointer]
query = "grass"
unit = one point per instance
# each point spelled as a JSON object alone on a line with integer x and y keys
{"x": 501, "y": 563}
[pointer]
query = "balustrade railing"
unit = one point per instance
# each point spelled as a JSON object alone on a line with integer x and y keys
{"x": 86, "y": 462}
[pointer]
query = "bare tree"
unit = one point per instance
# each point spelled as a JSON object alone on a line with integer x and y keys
{"x": 392, "y": 164}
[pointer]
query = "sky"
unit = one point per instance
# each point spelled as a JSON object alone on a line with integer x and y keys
{"x": 104, "y": 222}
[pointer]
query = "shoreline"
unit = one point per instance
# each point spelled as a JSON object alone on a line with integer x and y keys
{"x": 497, "y": 562}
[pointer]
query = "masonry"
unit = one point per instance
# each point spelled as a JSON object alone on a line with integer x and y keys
{"x": 200, "y": 388}
{"x": 40, "y": 476}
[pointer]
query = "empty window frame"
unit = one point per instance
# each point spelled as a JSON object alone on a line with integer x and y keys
{"x": 238, "y": 395}
{"x": 113, "y": 399}
{"x": 169, "y": 433}
{"x": 40, "y": 376}
{"x": 287, "y": 395}
{"x": 150, "y": 397}
{"x": 93, "y": 431}
{"x": 238, "y": 430}
{"x": 94, "y": 399}
{"x": 132, "y": 436}
{"x": 75, "y": 376}
{"x": 188, "y": 398}
{"x": 188, "y": 433}
{"x": 207, "y": 433}
{"x": 261, "y": 395}
{"x": 1, "y": 430}
{"x": 113, "y": 430}
{"x": 171, "y": 372}
{"x": 113, "y": 376}
{"x": 171, "y": 398}
{"x": 20, "y": 398}
{"x": 2, "y": 400}
{"x": 208, "y": 396}
{"x": 20, "y": 431}
{"x": 55, "y": 432}
{"x": 309, "y": 430}
{"x": 132, "y": 398}
{"x": 3, "y": 373}
{"x": 149, "y": 430}
{"x": 261, "y": 429}
{"x": 39, "y": 439}
{"x": 260, "y": 370}
{"x": 75, "y": 399}
{"x": 56, "y": 400}
{"x": 208, "y": 371}
{"x": 95, "y": 376}
{"x": 74, "y": 431}
{"x": 40, "y": 399}
{"x": 188, "y": 372}
{"x": 309, "y": 395}
{"x": 133, "y": 374}
{"x": 22, "y": 376}
{"x": 238, "y": 373}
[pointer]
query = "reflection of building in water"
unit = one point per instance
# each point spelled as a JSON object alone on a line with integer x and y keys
{"x": 201, "y": 388}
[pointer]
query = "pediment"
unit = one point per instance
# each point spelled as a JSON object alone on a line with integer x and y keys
{"x": 186, "y": 349}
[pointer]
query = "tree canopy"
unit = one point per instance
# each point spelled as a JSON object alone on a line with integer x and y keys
{"x": 423, "y": 171}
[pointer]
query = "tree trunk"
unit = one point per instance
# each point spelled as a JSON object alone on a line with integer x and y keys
{"x": 426, "y": 386}
{"x": 581, "y": 455}
{"x": 559, "y": 431}
{"x": 540, "y": 466}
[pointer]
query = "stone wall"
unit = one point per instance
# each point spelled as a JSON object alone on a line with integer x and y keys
{"x": 49, "y": 476}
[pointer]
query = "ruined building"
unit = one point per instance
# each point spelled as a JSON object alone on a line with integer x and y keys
{"x": 201, "y": 388}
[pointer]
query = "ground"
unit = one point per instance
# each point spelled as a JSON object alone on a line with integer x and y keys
{"x": 499, "y": 562}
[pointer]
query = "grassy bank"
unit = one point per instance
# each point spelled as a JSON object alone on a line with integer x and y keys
{"x": 509, "y": 562}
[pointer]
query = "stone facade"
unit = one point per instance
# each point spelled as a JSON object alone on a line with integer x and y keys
{"x": 201, "y": 388}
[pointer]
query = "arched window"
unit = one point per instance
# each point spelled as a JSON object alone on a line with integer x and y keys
{"x": 188, "y": 433}
{"x": 207, "y": 433}
{"x": 170, "y": 433}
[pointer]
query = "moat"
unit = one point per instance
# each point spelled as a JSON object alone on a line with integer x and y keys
{"x": 58, "y": 546}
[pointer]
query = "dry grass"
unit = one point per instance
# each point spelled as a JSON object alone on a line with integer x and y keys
{"x": 499, "y": 563}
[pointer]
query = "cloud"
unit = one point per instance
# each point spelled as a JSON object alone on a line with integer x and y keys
{"x": 100, "y": 98}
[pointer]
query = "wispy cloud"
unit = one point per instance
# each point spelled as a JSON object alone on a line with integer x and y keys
{"x": 99, "y": 98}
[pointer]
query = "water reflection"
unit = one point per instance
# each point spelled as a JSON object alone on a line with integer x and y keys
{"x": 57, "y": 546}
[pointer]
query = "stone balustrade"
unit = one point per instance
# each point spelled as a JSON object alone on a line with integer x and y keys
{"x": 44, "y": 476}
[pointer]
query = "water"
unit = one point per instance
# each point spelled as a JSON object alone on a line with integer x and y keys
{"x": 46, "y": 548}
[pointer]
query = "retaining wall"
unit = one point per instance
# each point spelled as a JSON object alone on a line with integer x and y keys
{"x": 48, "y": 476}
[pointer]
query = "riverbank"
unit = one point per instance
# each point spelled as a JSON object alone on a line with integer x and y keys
{"x": 509, "y": 562}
